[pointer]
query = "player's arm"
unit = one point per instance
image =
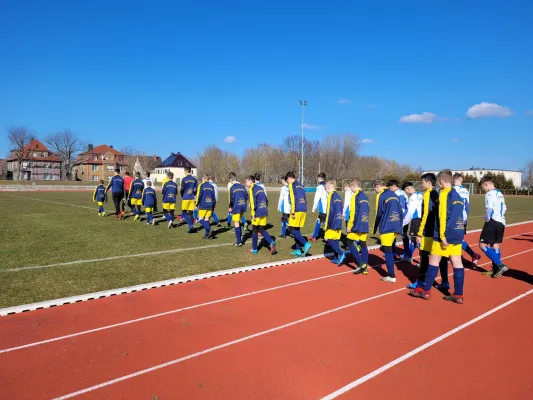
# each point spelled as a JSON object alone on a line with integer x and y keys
{"x": 143, "y": 198}
{"x": 292, "y": 198}
{"x": 355, "y": 212}
{"x": 252, "y": 203}
{"x": 379, "y": 211}
{"x": 318, "y": 197}
{"x": 425, "y": 212}
{"x": 94, "y": 193}
{"x": 109, "y": 184}
{"x": 489, "y": 207}
{"x": 443, "y": 216}
{"x": 280, "y": 201}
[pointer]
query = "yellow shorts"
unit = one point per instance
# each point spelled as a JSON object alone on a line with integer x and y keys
{"x": 332, "y": 234}
{"x": 452, "y": 250}
{"x": 188, "y": 205}
{"x": 205, "y": 214}
{"x": 426, "y": 244}
{"x": 259, "y": 221}
{"x": 148, "y": 209}
{"x": 100, "y": 203}
{"x": 169, "y": 206}
{"x": 136, "y": 202}
{"x": 387, "y": 239}
{"x": 357, "y": 236}
{"x": 236, "y": 217}
{"x": 298, "y": 221}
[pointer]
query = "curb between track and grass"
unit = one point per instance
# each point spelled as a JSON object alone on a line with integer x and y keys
{"x": 170, "y": 282}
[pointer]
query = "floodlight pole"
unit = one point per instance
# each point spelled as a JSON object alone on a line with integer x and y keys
{"x": 303, "y": 103}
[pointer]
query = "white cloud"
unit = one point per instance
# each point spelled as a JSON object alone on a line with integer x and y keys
{"x": 529, "y": 113}
{"x": 230, "y": 139}
{"x": 485, "y": 109}
{"x": 311, "y": 127}
{"x": 424, "y": 118}
{"x": 455, "y": 140}
{"x": 366, "y": 141}
{"x": 344, "y": 101}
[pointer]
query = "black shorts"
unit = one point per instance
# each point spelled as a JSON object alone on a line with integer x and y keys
{"x": 492, "y": 232}
{"x": 405, "y": 230}
{"x": 322, "y": 217}
{"x": 414, "y": 227}
{"x": 465, "y": 228}
{"x": 285, "y": 217}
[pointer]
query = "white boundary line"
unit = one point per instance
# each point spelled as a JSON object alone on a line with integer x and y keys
{"x": 410, "y": 354}
{"x": 170, "y": 282}
{"x": 53, "y": 202}
{"x": 148, "y": 317}
{"x": 278, "y": 328}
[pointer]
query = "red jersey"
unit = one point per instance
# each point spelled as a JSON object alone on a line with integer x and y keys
{"x": 127, "y": 182}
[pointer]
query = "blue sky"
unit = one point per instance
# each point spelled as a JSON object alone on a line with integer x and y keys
{"x": 162, "y": 76}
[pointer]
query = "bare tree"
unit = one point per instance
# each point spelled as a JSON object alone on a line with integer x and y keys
{"x": 338, "y": 154}
{"x": 527, "y": 177}
{"x": 19, "y": 138}
{"x": 65, "y": 145}
{"x": 130, "y": 155}
{"x": 217, "y": 162}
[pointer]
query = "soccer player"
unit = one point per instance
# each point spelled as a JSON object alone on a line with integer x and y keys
{"x": 347, "y": 201}
{"x": 215, "y": 187}
{"x": 333, "y": 223}
{"x": 358, "y": 227}
{"x": 257, "y": 179}
{"x": 238, "y": 199}
{"x": 284, "y": 207}
{"x": 127, "y": 186}
{"x": 298, "y": 202}
{"x": 205, "y": 204}
{"x": 165, "y": 180}
{"x": 320, "y": 204}
{"x": 465, "y": 195}
{"x": 100, "y": 196}
{"x": 135, "y": 197}
{"x": 116, "y": 184}
{"x": 389, "y": 218}
{"x": 259, "y": 213}
{"x": 145, "y": 181}
{"x": 149, "y": 200}
{"x": 189, "y": 186}
{"x": 447, "y": 240}
{"x": 393, "y": 185}
{"x": 170, "y": 196}
{"x": 412, "y": 219}
{"x": 494, "y": 228}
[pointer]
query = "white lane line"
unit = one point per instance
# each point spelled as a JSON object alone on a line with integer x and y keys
{"x": 255, "y": 335}
{"x": 50, "y": 201}
{"x": 410, "y": 354}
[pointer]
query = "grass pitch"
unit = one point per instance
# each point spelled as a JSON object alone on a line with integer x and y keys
{"x": 40, "y": 229}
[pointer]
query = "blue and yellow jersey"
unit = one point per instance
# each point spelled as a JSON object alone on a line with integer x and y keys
{"x": 430, "y": 201}
{"x": 99, "y": 194}
{"x": 238, "y": 198}
{"x": 170, "y": 192}
{"x": 189, "y": 186}
{"x": 258, "y": 201}
{"x": 334, "y": 207}
{"x": 136, "y": 189}
{"x": 389, "y": 213}
{"x": 449, "y": 222}
{"x": 116, "y": 184}
{"x": 297, "y": 197}
{"x": 149, "y": 197}
{"x": 205, "y": 197}
{"x": 359, "y": 220}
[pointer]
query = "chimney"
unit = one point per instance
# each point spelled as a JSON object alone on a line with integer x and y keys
{"x": 111, "y": 146}
{"x": 90, "y": 147}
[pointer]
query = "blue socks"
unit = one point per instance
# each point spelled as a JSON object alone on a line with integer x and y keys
{"x": 186, "y": 218}
{"x": 255, "y": 240}
{"x": 101, "y": 209}
{"x": 149, "y": 217}
{"x": 317, "y": 229}
{"x": 406, "y": 247}
{"x": 364, "y": 252}
{"x": 206, "y": 226}
{"x": 283, "y": 228}
{"x": 243, "y": 220}
{"x": 215, "y": 218}
{"x": 238, "y": 234}
{"x": 267, "y": 237}
{"x": 355, "y": 254}
{"x": 195, "y": 213}
{"x": 389, "y": 262}
{"x": 300, "y": 241}
{"x": 431, "y": 275}
{"x": 229, "y": 220}
{"x": 166, "y": 215}
{"x": 467, "y": 248}
{"x": 411, "y": 249}
{"x": 493, "y": 255}
{"x": 334, "y": 244}
{"x": 458, "y": 281}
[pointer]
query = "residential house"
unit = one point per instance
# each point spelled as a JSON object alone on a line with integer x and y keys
{"x": 98, "y": 163}
{"x": 38, "y": 163}
{"x": 174, "y": 163}
{"x": 144, "y": 164}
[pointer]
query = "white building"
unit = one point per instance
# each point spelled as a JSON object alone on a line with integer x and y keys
{"x": 174, "y": 163}
{"x": 515, "y": 176}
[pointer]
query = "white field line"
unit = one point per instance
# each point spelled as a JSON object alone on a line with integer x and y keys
{"x": 425, "y": 346}
{"x": 49, "y": 201}
{"x": 278, "y": 328}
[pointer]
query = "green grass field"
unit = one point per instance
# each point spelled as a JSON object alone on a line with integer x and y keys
{"x": 37, "y": 231}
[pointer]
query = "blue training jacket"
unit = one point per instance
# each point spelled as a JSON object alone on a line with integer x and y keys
{"x": 189, "y": 186}
{"x": 100, "y": 193}
{"x": 149, "y": 197}
{"x": 116, "y": 184}
{"x": 170, "y": 192}
{"x": 297, "y": 197}
{"x": 238, "y": 198}
{"x": 358, "y": 222}
{"x": 136, "y": 189}
{"x": 205, "y": 198}
{"x": 430, "y": 203}
{"x": 258, "y": 201}
{"x": 449, "y": 222}
{"x": 389, "y": 213}
{"x": 334, "y": 211}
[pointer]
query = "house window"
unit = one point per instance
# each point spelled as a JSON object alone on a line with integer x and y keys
{"x": 109, "y": 168}
{"x": 95, "y": 157}
{"x": 48, "y": 177}
{"x": 95, "y": 178}
{"x": 24, "y": 165}
{"x": 95, "y": 167}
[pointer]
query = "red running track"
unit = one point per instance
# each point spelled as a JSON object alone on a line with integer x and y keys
{"x": 299, "y": 331}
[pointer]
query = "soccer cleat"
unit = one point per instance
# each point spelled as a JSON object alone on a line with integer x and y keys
{"x": 475, "y": 259}
{"x": 137, "y": 217}
{"x": 297, "y": 253}
{"x": 170, "y": 225}
{"x": 334, "y": 260}
{"x": 252, "y": 251}
{"x": 488, "y": 273}
{"x": 103, "y": 214}
{"x": 312, "y": 239}
{"x": 454, "y": 298}
{"x": 273, "y": 249}
{"x": 219, "y": 225}
{"x": 99, "y": 214}
{"x": 341, "y": 259}
{"x": 388, "y": 279}
{"x": 413, "y": 285}
{"x": 361, "y": 270}
{"x": 443, "y": 286}
{"x": 147, "y": 222}
{"x": 121, "y": 216}
{"x": 153, "y": 222}
{"x": 238, "y": 244}
{"x": 500, "y": 269}
{"x": 419, "y": 293}
{"x": 307, "y": 247}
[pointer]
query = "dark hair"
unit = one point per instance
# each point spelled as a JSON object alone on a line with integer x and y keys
{"x": 486, "y": 178}
{"x": 378, "y": 182}
{"x": 101, "y": 181}
{"x": 445, "y": 175}
{"x": 170, "y": 175}
{"x": 257, "y": 177}
{"x": 322, "y": 175}
{"x": 406, "y": 185}
{"x": 137, "y": 174}
{"x": 117, "y": 170}
{"x": 188, "y": 169}
{"x": 126, "y": 173}
{"x": 429, "y": 177}
{"x": 458, "y": 175}
{"x": 250, "y": 178}
{"x": 392, "y": 182}
{"x": 232, "y": 175}
{"x": 290, "y": 175}
{"x": 148, "y": 174}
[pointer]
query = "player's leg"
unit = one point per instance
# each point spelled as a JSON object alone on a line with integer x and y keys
{"x": 236, "y": 219}
{"x": 443, "y": 268}
{"x": 458, "y": 275}
{"x": 332, "y": 239}
{"x": 284, "y": 224}
{"x": 387, "y": 242}
{"x": 263, "y": 232}
{"x": 406, "y": 256}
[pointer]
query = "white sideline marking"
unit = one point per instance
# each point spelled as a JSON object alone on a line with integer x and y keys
{"x": 406, "y": 356}
{"x": 53, "y": 202}
{"x": 265, "y": 332}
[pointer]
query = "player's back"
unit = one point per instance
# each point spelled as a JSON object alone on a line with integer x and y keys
{"x": 298, "y": 197}
{"x": 260, "y": 201}
{"x": 238, "y": 198}
{"x": 494, "y": 200}
{"x": 170, "y": 192}
{"x": 189, "y": 186}
{"x": 149, "y": 197}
